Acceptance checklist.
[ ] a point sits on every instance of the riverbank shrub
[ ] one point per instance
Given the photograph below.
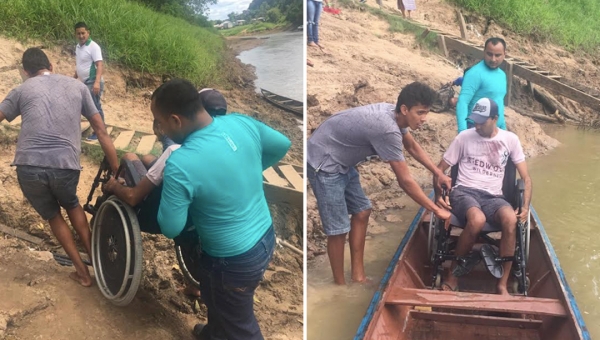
(129, 34)
(572, 24)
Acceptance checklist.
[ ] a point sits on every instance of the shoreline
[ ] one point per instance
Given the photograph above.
(241, 43)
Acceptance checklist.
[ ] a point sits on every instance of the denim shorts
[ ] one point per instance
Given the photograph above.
(338, 195)
(49, 189)
(462, 199)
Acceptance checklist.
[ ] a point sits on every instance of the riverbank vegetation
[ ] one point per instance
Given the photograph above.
(253, 28)
(130, 34)
(572, 24)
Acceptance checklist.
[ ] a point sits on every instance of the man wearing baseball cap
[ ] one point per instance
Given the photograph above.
(482, 154)
(145, 196)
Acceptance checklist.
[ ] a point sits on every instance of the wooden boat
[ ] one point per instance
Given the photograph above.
(285, 103)
(284, 183)
(404, 306)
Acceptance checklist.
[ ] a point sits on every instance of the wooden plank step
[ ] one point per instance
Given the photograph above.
(554, 76)
(475, 301)
(20, 234)
(482, 320)
(123, 139)
(272, 177)
(146, 144)
(292, 176)
(278, 194)
(109, 130)
(84, 126)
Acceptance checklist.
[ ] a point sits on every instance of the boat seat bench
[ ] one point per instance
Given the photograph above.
(475, 301)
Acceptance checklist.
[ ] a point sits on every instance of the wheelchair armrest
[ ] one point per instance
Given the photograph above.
(131, 171)
(520, 185)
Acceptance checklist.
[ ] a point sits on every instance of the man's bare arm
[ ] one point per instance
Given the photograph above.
(105, 142)
(413, 190)
(415, 150)
(99, 71)
(131, 196)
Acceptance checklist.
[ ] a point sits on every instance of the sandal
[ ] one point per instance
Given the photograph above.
(466, 264)
(450, 288)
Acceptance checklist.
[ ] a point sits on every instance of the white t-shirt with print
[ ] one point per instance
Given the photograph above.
(86, 57)
(155, 173)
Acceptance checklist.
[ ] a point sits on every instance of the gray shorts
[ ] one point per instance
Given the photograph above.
(338, 195)
(49, 189)
(463, 198)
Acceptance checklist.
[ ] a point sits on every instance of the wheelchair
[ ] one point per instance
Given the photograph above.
(117, 241)
(441, 242)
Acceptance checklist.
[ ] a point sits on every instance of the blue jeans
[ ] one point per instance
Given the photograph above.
(96, 98)
(312, 26)
(227, 286)
(338, 195)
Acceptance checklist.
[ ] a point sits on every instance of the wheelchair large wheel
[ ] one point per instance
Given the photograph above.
(117, 251)
(187, 261)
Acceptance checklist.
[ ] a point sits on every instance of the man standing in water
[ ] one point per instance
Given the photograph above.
(348, 138)
(48, 149)
(216, 176)
(90, 66)
(483, 80)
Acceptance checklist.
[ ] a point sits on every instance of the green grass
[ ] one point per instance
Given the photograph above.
(573, 24)
(129, 34)
(256, 27)
(397, 23)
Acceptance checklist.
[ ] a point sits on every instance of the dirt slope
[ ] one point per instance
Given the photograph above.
(39, 301)
(364, 63)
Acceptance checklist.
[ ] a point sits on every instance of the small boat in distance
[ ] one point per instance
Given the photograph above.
(285, 103)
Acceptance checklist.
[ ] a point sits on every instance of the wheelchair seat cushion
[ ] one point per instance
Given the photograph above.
(462, 199)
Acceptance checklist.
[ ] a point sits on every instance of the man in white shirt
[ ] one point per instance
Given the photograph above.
(88, 57)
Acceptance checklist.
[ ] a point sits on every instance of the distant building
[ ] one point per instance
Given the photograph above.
(227, 24)
(240, 22)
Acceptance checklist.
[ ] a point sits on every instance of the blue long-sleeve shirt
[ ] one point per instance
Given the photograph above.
(216, 174)
(481, 82)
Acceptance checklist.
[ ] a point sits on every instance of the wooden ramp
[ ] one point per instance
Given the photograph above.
(284, 183)
(517, 67)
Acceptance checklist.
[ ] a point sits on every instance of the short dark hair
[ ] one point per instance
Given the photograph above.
(178, 96)
(414, 94)
(80, 25)
(495, 41)
(34, 60)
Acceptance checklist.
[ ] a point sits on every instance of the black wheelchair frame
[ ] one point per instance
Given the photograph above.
(112, 260)
(442, 252)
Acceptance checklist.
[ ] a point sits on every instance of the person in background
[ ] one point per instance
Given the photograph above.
(313, 9)
(89, 67)
(483, 80)
(48, 149)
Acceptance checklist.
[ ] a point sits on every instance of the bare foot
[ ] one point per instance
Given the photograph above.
(312, 44)
(191, 291)
(502, 290)
(84, 281)
(367, 281)
(309, 63)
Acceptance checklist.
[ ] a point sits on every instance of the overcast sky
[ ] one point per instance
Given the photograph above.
(224, 7)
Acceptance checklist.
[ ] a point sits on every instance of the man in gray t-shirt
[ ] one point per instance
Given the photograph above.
(48, 149)
(350, 137)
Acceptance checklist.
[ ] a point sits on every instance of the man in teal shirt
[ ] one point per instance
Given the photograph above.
(216, 175)
(484, 80)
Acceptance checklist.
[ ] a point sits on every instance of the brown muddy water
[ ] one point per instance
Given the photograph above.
(566, 186)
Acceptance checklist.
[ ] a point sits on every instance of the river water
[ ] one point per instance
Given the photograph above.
(279, 64)
(566, 185)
